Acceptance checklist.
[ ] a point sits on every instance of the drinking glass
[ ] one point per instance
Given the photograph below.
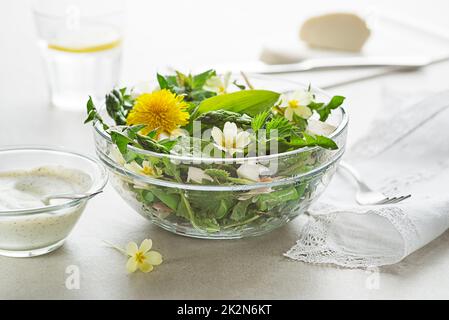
(81, 43)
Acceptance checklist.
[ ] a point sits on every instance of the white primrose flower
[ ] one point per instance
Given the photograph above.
(231, 139)
(296, 103)
(145, 169)
(252, 171)
(117, 155)
(173, 135)
(218, 84)
(197, 175)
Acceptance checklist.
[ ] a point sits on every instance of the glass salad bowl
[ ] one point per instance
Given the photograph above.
(229, 203)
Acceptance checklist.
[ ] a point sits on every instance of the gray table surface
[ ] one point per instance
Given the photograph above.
(195, 269)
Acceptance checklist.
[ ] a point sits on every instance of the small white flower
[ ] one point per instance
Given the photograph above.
(218, 84)
(146, 168)
(296, 103)
(117, 155)
(173, 135)
(231, 139)
(252, 171)
(197, 175)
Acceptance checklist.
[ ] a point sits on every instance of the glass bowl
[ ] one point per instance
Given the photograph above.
(216, 211)
(36, 231)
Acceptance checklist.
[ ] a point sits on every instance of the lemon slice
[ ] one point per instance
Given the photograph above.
(86, 40)
(96, 48)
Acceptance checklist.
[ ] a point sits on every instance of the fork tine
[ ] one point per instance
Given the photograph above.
(396, 199)
(387, 200)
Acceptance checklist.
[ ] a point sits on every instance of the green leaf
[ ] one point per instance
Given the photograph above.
(309, 140)
(268, 201)
(121, 141)
(281, 124)
(324, 110)
(147, 196)
(92, 114)
(259, 120)
(169, 199)
(133, 130)
(199, 80)
(163, 84)
(240, 210)
(223, 208)
(150, 144)
(250, 102)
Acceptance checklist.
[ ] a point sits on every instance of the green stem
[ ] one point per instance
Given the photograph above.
(113, 246)
(241, 223)
(189, 210)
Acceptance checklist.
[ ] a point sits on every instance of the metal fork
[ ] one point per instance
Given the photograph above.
(367, 196)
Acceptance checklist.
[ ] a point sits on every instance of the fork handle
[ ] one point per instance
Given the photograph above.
(362, 185)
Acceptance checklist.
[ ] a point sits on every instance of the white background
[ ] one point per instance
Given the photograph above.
(188, 33)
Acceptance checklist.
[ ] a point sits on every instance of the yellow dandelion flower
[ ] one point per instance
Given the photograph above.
(160, 110)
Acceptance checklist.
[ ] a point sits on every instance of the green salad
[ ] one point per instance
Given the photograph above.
(216, 122)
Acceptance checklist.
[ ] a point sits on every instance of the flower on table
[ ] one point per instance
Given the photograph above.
(218, 84)
(142, 257)
(197, 175)
(139, 257)
(296, 103)
(231, 139)
(161, 110)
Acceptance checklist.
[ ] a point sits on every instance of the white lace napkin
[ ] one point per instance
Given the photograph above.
(406, 153)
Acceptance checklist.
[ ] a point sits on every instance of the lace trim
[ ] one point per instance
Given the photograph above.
(312, 246)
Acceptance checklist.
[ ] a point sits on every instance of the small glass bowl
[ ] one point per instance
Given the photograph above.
(209, 210)
(36, 231)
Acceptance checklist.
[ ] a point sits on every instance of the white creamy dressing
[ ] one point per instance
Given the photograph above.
(24, 189)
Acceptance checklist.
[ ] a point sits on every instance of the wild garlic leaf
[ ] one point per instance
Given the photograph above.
(250, 102)
(169, 199)
(324, 110)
